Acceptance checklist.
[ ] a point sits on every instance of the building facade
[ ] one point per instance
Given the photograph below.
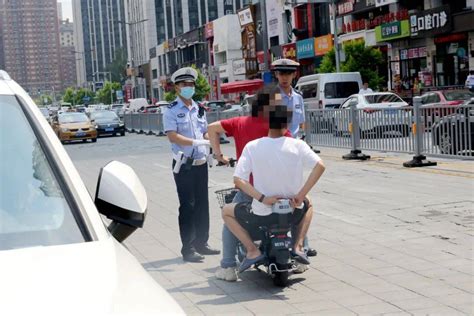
(429, 41)
(30, 42)
(180, 27)
(99, 30)
(68, 55)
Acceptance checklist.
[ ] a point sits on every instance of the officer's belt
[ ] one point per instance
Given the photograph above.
(196, 162)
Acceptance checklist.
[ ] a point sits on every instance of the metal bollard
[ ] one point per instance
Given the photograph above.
(356, 153)
(418, 160)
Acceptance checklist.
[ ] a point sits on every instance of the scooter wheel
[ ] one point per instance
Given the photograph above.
(281, 279)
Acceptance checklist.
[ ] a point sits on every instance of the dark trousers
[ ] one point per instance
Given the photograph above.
(192, 187)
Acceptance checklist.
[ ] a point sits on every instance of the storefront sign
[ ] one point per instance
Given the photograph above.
(274, 16)
(289, 51)
(305, 48)
(379, 3)
(238, 67)
(430, 22)
(391, 31)
(367, 24)
(245, 16)
(209, 30)
(323, 45)
(417, 52)
(345, 7)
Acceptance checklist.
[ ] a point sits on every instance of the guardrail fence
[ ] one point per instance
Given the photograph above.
(152, 123)
(443, 131)
(437, 131)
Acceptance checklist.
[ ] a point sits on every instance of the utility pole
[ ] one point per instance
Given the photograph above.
(336, 42)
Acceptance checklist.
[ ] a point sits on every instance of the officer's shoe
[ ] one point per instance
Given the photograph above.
(193, 257)
(206, 250)
(311, 252)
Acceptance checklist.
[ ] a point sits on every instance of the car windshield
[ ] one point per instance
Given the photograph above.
(340, 90)
(382, 98)
(309, 90)
(33, 209)
(457, 95)
(72, 118)
(104, 115)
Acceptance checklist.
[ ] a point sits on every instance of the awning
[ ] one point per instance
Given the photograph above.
(249, 86)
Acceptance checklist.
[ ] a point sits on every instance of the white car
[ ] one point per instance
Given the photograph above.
(56, 255)
(380, 114)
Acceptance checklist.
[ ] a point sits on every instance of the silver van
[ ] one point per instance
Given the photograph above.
(328, 90)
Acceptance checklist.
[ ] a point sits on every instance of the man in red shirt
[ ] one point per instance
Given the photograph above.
(244, 129)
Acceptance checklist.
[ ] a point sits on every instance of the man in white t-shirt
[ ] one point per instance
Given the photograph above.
(276, 163)
(470, 81)
(365, 89)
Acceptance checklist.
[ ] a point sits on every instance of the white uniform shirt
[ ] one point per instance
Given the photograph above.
(365, 91)
(277, 166)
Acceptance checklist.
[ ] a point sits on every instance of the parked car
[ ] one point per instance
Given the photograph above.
(117, 108)
(234, 108)
(46, 114)
(454, 134)
(57, 256)
(70, 126)
(381, 115)
(321, 91)
(445, 97)
(107, 123)
(212, 106)
(162, 106)
(437, 104)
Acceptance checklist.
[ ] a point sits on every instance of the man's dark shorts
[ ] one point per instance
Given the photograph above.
(249, 221)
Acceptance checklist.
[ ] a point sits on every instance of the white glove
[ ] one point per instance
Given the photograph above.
(201, 142)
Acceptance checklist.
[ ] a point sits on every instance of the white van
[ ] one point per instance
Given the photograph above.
(328, 90)
(136, 105)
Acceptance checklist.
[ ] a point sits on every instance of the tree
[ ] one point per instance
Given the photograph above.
(202, 88)
(365, 60)
(77, 96)
(118, 66)
(43, 99)
(106, 95)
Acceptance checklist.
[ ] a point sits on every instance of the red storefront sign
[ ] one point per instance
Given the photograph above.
(363, 24)
(128, 93)
(450, 38)
(289, 51)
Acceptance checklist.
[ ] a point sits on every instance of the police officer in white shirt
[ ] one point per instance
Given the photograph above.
(185, 125)
(285, 72)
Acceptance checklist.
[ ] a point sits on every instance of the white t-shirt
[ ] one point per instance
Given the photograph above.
(365, 91)
(277, 167)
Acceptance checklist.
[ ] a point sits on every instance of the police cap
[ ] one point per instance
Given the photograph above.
(186, 74)
(285, 65)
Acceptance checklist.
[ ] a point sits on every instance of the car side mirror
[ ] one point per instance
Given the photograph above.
(121, 197)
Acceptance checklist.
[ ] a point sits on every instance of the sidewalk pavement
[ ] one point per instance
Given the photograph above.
(390, 240)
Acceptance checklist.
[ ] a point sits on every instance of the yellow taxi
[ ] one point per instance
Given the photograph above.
(71, 126)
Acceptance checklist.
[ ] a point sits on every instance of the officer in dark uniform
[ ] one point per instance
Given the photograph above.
(185, 125)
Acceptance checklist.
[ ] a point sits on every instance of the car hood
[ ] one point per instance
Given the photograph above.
(75, 125)
(93, 278)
